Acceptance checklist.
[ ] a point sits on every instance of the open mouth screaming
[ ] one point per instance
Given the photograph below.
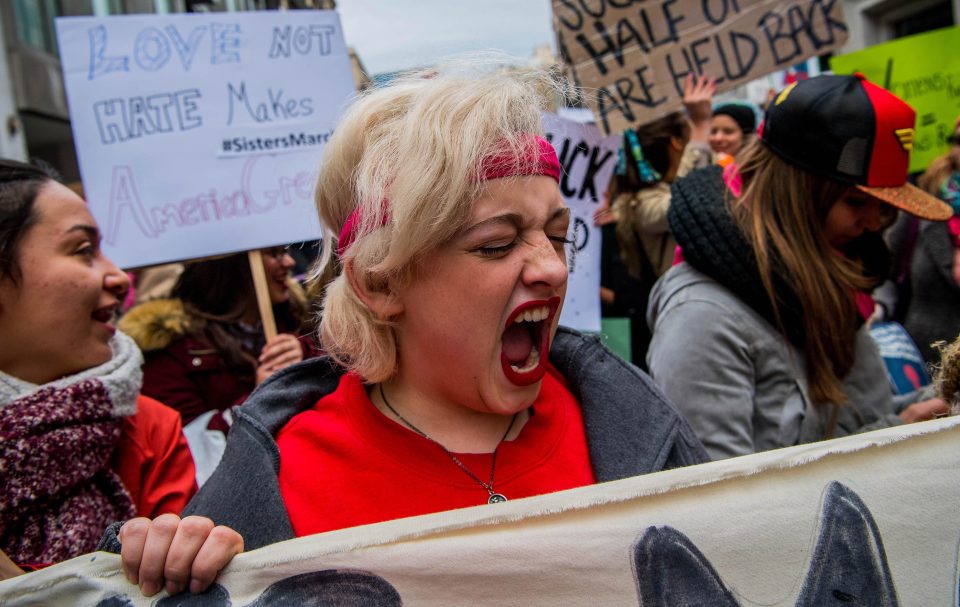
(525, 343)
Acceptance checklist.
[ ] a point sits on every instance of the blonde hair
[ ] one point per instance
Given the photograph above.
(412, 150)
(781, 212)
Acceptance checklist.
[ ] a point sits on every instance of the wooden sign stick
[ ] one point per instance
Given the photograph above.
(263, 294)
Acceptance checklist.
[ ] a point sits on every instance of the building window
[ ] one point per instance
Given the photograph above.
(34, 20)
(33, 23)
(935, 17)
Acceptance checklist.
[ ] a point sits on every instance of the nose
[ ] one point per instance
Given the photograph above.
(287, 261)
(115, 280)
(871, 215)
(545, 265)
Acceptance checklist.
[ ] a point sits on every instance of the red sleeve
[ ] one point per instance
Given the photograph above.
(154, 461)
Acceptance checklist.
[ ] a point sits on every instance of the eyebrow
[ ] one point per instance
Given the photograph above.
(515, 219)
(91, 231)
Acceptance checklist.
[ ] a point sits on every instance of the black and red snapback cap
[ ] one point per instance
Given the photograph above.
(850, 130)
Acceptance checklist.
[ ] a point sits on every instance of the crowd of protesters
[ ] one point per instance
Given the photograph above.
(752, 257)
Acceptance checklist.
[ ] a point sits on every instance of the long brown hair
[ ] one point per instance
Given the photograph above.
(654, 138)
(781, 212)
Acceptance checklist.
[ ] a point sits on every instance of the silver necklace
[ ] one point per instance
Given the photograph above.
(492, 496)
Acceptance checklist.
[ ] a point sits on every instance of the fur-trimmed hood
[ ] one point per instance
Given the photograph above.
(154, 325)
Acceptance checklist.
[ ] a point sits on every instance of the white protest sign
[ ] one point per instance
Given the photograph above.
(587, 160)
(201, 134)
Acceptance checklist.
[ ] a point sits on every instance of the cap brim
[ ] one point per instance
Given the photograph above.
(913, 200)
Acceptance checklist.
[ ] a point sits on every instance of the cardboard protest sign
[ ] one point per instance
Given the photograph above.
(869, 519)
(587, 160)
(631, 58)
(924, 71)
(201, 134)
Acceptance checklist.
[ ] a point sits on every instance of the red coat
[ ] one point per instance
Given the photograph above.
(191, 376)
(153, 460)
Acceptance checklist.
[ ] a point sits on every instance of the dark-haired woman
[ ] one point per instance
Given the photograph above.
(758, 337)
(205, 349)
(651, 158)
(79, 446)
(731, 128)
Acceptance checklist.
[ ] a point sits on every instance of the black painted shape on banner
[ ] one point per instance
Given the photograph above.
(848, 564)
(215, 596)
(330, 588)
(115, 601)
(669, 570)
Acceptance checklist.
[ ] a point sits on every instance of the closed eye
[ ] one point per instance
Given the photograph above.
(494, 251)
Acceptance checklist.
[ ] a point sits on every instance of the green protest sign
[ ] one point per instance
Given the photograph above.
(924, 71)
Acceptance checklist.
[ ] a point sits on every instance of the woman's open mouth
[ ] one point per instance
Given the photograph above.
(525, 342)
(104, 315)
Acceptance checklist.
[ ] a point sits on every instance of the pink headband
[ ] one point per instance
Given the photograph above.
(539, 160)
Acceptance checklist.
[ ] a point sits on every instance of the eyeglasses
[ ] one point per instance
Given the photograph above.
(954, 139)
(277, 253)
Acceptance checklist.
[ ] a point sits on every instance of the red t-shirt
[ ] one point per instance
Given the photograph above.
(343, 463)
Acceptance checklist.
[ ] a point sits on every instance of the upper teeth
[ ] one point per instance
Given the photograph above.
(533, 314)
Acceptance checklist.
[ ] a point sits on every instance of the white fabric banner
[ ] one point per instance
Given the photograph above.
(201, 134)
(869, 519)
(587, 160)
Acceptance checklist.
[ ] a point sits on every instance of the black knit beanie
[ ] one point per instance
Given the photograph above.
(741, 114)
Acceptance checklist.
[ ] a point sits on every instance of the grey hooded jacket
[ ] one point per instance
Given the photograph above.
(631, 429)
(739, 383)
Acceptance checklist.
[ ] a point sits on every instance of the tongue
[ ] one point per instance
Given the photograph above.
(516, 343)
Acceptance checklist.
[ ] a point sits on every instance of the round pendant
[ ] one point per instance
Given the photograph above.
(496, 498)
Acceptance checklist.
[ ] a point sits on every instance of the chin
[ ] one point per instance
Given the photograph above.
(515, 398)
(98, 355)
(93, 359)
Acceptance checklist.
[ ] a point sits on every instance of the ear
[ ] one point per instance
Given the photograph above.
(677, 144)
(378, 295)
